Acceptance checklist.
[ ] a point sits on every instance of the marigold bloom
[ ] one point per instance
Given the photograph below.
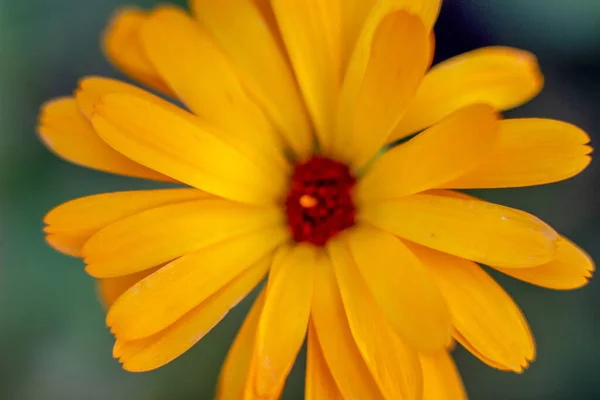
(286, 155)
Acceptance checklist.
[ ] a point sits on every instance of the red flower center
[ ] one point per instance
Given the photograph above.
(320, 204)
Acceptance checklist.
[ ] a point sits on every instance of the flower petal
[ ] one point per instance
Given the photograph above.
(155, 351)
(340, 350)
(402, 287)
(441, 378)
(502, 77)
(472, 229)
(320, 384)
(123, 47)
(384, 73)
(158, 301)
(284, 318)
(196, 69)
(426, 10)
(354, 15)
(233, 381)
(66, 132)
(443, 152)
(110, 289)
(262, 65)
(570, 269)
(92, 88)
(311, 31)
(164, 233)
(66, 244)
(484, 315)
(191, 152)
(87, 215)
(393, 364)
(530, 152)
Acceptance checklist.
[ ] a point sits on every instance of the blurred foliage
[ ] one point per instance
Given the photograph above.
(53, 343)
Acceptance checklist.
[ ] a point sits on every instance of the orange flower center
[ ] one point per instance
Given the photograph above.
(319, 204)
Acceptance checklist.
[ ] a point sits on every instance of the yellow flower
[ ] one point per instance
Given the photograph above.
(285, 154)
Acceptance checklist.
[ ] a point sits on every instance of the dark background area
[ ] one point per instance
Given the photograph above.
(53, 343)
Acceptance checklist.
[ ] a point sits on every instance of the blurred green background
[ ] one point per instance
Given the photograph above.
(53, 343)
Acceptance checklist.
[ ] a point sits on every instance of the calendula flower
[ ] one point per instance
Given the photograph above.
(285, 149)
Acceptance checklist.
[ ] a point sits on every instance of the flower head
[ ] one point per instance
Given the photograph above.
(289, 153)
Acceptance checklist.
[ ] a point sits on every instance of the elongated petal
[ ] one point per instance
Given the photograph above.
(157, 350)
(66, 132)
(571, 268)
(165, 296)
(168, 142)
(484, 315)
(67, 244)
(401, 285)
(340, 351)
(233, 380)
(162, 234)
(110, 289)
(284, 319)
(87, 215)
(92, 88)
(426, 10)
(499, 76)
(123, 47)
(354, 16)
(320, 384)
(203, 78)
(530, 152)
(393, 363)
(384, 73)
(441, 378)
(262, 65)
(440, 154)
(312, 32)
(476, 230)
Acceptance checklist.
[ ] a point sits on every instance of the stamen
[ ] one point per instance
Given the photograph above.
(320, 204)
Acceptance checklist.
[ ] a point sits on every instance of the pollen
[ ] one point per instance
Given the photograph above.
(319, 204)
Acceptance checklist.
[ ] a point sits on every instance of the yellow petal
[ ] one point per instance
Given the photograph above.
(443, 152)
(354, 15)
(320, 384)
(234, 374)
(311, 31)
(284, 318)
(384, 73)
(499, 76)
(340, 350)
(123, 47)
(110, 289)
(403, 288)
(66, 132)
(157, 350)
(479, 231)
(426, 10)
(471, 349)
(258, 58)
(164, 233)
(91, 89)
(158, 301)
(168, 142)
(484, 315)
(570, 269)
(393, 364)
(87, 215)
(66, 244)
(441, 378)
(197, 70)
(530, 152)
